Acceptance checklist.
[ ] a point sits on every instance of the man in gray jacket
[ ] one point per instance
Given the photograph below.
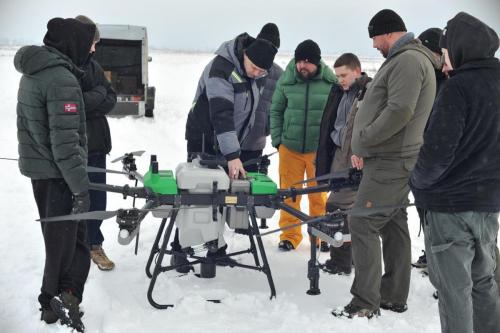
(386, 138)
(223, 111)
(53, 153)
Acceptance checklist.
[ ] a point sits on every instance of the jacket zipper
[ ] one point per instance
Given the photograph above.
(305, 118)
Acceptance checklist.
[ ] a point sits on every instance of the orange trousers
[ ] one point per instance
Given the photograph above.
(292, 167)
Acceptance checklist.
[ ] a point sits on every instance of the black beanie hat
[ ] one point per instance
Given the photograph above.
(261, 52)
(85, 19)
(384, 22)
(71, 37)
(308, 50)
(271, 33)
(430, 39)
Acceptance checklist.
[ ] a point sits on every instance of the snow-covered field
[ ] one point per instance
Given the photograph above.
(116, 301)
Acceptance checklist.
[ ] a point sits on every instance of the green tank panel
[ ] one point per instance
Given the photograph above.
(261, 184)
(162, 182)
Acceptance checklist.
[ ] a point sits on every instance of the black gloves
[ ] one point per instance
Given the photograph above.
(81, 203)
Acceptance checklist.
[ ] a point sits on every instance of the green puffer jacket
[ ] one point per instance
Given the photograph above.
(297, 108)
(51, 118)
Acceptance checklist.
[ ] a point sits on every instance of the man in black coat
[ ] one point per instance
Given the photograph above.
(53, 153)
(456, 180)
(100, 98)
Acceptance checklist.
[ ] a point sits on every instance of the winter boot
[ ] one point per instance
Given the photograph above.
(285, 245)
(100, 259)
(48, 315)
(421, 262)
(351, 311)
(66, 307)
(332, 268)
(395, 307)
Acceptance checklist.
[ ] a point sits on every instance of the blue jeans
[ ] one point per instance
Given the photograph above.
(460, 250)
(97, 198)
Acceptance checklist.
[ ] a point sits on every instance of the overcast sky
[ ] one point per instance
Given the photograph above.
(337, 26)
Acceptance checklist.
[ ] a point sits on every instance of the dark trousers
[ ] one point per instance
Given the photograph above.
(67, 256)
(97, 198)
(245, 155)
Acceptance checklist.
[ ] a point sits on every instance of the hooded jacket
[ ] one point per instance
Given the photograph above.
(297, 107)
(458, 167)
(51, 117)
(223, 111)
(391, 119)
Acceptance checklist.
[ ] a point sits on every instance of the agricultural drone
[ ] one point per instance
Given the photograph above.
(200, 199)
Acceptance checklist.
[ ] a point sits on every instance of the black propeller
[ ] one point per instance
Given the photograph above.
(134, 153)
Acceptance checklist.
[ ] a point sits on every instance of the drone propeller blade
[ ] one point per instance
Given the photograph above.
(95, 215)
(92, 169)
(257, 159)
(105, 214)
(134, 153)
(337, 174)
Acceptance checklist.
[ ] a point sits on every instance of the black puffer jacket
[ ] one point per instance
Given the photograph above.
(458, 167)
(100, 98)
(51, 117)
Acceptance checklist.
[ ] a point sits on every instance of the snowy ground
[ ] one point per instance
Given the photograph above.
(116, 301)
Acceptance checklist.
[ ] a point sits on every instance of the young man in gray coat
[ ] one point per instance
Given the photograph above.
(386, 138)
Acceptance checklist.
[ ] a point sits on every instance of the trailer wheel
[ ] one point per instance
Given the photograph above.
(149, 113)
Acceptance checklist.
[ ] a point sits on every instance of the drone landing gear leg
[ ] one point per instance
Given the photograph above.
(155, 249)
(265, 268)
(263, 224)
(158, 268)
(253, 248)
(313, 268)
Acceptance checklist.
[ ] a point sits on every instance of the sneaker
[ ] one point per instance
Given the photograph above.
(100, 259)
(185, 267)
(285, 245)
(351, 311)
(221, 258)
(395, 307)
(324, 247)
(48, 315)
(331, 268)
(421, 262)
(66, 307)
(435, 295)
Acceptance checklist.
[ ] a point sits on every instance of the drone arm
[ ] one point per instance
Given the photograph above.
(136, 192)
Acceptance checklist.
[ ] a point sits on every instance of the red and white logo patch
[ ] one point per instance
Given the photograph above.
(70, 108)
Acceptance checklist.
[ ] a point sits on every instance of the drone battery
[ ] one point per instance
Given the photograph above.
(237, 217)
